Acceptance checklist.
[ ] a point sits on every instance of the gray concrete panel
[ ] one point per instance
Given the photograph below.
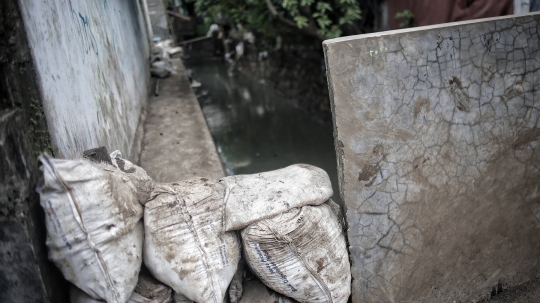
(91, 60)
(437, 136)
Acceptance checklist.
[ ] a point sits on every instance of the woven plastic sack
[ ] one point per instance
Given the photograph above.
(78, 296)
(94, 231)
(148, 290)
(251, 198)
(138, 176)
(301, 254)
(185, 246)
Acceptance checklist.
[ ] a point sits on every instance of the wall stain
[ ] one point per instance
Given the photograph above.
(368, 173)
(523, 137)
(85, 32)
(460, 94)
(421, 102)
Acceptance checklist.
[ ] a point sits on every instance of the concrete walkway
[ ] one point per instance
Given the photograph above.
(177, 144)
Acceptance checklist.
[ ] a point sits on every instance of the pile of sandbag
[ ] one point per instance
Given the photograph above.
(167, 45)
(292, 235)
(160, 61)
(291, 231)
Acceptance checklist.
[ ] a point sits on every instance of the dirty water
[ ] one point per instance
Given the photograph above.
(256, 128)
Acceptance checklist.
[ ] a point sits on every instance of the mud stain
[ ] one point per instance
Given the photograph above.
(368, 174)
(515, 91)
(122, 165)
(523, 137)
(170, 256)
(190, 259)
(320, 264)
(475, 229)
(420, 103)
(184, 273)
(460, 94)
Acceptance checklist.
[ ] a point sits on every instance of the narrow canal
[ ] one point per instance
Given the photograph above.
(256, 128)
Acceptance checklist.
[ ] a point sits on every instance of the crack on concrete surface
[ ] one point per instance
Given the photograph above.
(439, 139)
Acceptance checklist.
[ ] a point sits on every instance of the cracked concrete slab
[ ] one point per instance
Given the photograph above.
(177, 144)
(437, 134)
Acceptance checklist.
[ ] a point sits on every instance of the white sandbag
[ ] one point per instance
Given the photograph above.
(250, 198)
(185, 246)
(78, 296)
(94, 231)
(138, 176)
(161, 69)
(160, 63)
(213, 28)
(150, 290)
(302, 254)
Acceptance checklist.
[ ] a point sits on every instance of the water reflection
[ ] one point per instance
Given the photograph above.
(256, 129)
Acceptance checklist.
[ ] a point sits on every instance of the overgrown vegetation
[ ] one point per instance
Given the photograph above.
(407, 17)
(320, 19)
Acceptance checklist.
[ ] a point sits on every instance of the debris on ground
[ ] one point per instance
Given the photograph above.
(195, 84)
(160, 63)
(167, 45)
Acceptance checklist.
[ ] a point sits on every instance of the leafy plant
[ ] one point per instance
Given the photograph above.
(321, 19)
(408, 16)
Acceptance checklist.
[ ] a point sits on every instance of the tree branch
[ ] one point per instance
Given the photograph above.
(306, 30)
(178, 16)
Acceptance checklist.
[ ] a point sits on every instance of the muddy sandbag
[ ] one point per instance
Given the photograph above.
(161, 69)
(78, 296)
(301, 253)
(250, 198)
(94, 228)
(160, 63)
(185, 246)
(138, 176)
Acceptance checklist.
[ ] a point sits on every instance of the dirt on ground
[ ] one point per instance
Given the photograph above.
(525, 293)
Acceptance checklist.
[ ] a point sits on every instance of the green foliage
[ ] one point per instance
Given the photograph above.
(301, 21)
(325, 19)
(408, 16)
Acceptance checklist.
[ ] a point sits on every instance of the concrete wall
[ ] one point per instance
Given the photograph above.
(73, 75)
(91, 61)
(438, 143)
(25, 273)
(159, 19)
